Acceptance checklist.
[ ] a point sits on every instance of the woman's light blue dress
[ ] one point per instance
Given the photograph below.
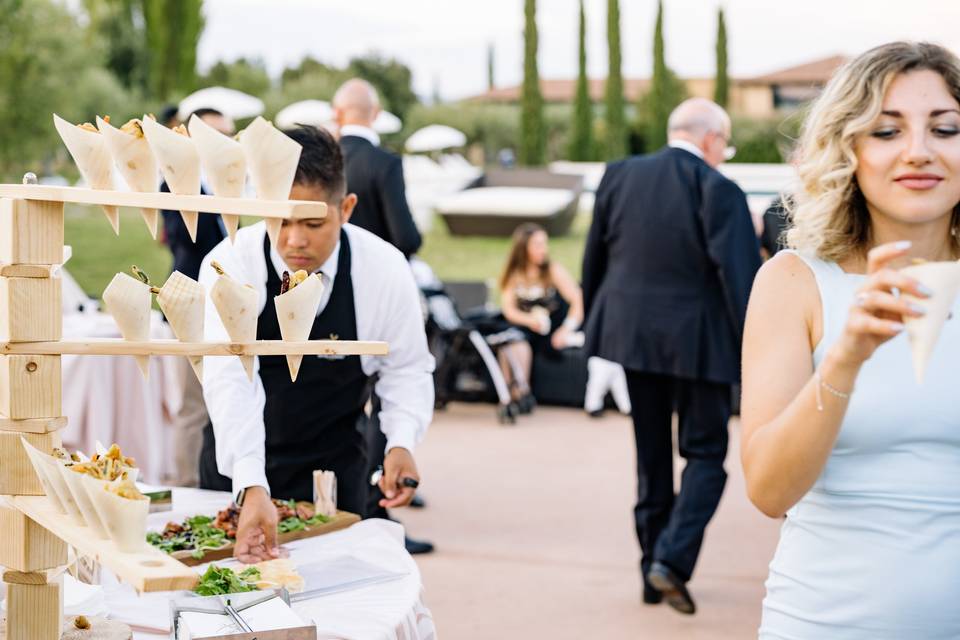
(873, 550)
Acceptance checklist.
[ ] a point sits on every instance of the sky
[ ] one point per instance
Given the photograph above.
(445, 42)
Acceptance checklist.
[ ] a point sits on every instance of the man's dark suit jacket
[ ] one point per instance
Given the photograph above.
(376, 176)
(187, 254)
(669, 262)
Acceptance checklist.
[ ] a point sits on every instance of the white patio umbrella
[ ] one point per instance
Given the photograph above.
(317, 113)
(229, 102)
(386, 122)
(435, 137)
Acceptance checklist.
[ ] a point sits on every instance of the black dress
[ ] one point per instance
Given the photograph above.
(550, 301)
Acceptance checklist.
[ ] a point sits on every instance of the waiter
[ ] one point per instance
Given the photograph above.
(269, 435)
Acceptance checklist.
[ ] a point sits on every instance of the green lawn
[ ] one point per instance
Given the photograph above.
(98, 254)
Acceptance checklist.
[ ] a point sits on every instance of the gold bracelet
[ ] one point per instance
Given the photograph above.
(821, 383)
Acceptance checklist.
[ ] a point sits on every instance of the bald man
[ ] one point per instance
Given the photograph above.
(375, 175)
(669, 262)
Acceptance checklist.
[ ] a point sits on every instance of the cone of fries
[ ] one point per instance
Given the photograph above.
(53, 485)
(182, 300)
(223, 163)
(272, 159)
(943, 278)
(297, 307)
(89, 151)
(236, 305)
(179, 162)
(133, 158)
(128, 300)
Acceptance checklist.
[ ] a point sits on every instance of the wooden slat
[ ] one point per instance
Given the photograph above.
(33, 425)
(203, 203)
(28, 270)
(149, 570)
(119, 347)
(25, 545)
(45, 576)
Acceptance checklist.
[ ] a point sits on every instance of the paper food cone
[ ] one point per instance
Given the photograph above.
(92, 157)
(943, 278)
(237, 307)
(133, 158)
(272, 159)
(325, 492)
(125, 518)
(223, 163)
(76, 483)
(182, 299)
(296, 312)
(179, 162)
(128, 301)
(40, 466)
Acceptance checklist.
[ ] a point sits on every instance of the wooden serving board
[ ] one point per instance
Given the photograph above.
(342, 520)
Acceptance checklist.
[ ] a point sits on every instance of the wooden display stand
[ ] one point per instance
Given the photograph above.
(34, 538)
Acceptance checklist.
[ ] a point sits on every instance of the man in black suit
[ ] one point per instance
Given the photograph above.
(375, 175)
(669, 262)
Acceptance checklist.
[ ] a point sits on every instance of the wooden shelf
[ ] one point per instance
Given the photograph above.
(149, 570)
(208, 204)
(120, 347)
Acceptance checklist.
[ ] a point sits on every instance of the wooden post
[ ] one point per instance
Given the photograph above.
(31, 239)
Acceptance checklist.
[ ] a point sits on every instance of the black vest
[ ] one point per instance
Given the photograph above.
(311, 423)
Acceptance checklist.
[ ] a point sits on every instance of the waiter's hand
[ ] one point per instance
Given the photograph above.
(257, 531)
(397, 465)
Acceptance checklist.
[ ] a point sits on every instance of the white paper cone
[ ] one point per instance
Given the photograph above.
(223, 163)
(237, 307)
(125, 519)
(296, 312)
(943, 278)
(232, 223)
(75, 482)
(179, 162)
(182, 301)
(325, 492)
(92, 157)
(135, 162)
(128, 301)
(272, 159)
(40, 467)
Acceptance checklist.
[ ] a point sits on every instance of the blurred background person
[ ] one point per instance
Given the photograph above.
(191, 417)
(542, 299)
(667, 270)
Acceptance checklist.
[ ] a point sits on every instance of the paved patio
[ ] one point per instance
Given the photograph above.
(533, 525)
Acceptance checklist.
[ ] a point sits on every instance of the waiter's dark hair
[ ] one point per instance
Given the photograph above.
(321, 161)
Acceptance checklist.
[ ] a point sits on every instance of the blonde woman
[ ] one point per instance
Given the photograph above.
(837, 435)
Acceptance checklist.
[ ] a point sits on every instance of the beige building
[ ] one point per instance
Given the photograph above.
(757, 97)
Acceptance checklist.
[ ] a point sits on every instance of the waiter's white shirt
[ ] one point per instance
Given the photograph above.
(361, 131)
(387, 307)
(686, 146)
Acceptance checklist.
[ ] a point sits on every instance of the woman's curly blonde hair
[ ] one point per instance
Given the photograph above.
(829, 214)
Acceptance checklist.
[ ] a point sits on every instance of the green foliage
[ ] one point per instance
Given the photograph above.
(119, 24)
(666, 92)
(532, 135)
(392, 78)
(581, 137)
(249, 76)
(615, 121)
(172, 30)
(721, 89)
(764, 140)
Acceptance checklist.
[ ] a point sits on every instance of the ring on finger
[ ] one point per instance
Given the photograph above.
(862, 298)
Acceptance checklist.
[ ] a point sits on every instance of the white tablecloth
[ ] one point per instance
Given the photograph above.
(391, 610)
(105, 398)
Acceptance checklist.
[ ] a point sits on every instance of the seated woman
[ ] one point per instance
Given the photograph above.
(542, 299)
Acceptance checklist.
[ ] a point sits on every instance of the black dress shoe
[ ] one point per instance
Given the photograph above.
(651, 595)
(417, 546)
(417, 502)
(596, 413)
(672, 587)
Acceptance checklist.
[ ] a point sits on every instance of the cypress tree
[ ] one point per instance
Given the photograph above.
(721, 89)
(581, 139)
(664, 90)
(616, 134)
(491, 84)
(532, 140)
